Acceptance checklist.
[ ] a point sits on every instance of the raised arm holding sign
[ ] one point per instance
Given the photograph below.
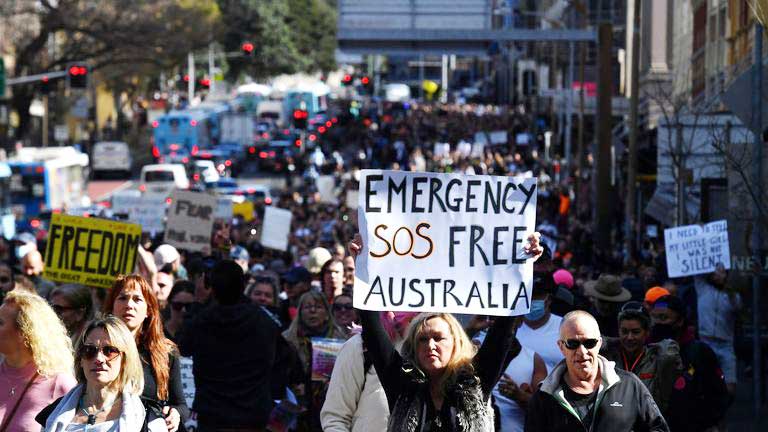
(445, 242)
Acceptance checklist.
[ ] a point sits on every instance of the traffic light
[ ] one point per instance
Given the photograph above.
(347, 80)
(300, 118)
(45, 85)
(77, 74)
(367, 84)
(247, 48)
(204, 82)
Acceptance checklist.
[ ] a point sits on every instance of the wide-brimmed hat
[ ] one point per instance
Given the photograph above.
(317, 258)
(607, 287)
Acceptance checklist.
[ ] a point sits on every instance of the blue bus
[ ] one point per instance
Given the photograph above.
(313, 99)
(179, 135)
(47, 179)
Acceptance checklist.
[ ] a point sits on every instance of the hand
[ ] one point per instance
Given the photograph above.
(172, 418)
(355, 246)
(521, 394)
(534, 247)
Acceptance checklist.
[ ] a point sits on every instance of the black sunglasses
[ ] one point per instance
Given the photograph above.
(573, 344)
(59, 308)
(179, 306)
(89, 352)
(339, 306)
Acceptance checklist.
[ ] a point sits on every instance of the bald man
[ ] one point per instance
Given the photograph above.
(32, 267)
(585, 392)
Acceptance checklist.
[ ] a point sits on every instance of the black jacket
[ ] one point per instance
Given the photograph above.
(233, 350)
(175, 388)
(623, 405)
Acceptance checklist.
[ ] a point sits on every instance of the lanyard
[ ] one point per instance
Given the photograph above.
(626, 364)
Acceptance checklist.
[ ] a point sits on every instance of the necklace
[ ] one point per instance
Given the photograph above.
(92, 416)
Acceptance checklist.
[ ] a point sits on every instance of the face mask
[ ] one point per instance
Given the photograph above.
(660, 332)
(538, 309)
(22, 250)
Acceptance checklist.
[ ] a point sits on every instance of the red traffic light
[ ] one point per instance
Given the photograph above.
(248, 47)
(300, 114)
(347, 79)
(186, 78)
(45, 79)
(78, 70)
(365, 80)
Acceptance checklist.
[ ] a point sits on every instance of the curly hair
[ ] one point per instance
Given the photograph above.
(463, 349)
(150, 337)
(44, 333)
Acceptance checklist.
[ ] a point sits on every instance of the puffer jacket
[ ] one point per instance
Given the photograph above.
(623, 404)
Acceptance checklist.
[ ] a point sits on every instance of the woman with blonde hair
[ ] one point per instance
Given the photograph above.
(110, 381)
(439, 381)
(37, 367)
(133, 300)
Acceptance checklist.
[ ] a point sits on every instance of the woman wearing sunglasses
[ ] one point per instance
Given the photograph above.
(37, 367)
(179, 301)
(344, 312)
(314, 320)
(131, 299)
(73, 304)
(109, 373)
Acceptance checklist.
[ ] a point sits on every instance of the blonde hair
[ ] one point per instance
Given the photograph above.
(131, 378)
(463, 349)
(43, 332)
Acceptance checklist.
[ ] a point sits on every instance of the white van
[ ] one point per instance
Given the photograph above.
(113, 157)
(163, 178)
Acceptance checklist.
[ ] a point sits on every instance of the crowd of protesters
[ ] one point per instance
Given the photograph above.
(77, 356)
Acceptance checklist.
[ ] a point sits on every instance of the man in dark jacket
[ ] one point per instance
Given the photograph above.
(232, 343)
(585, 392)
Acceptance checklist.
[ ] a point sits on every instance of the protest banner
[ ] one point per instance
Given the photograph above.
(326, 186)
(190, 220)
(90, 251)
(464, 148)
(224, 208)
(481, 138)
(697, 249)
(147, 210)
(442, 149)
(276, 228)
(188, 388)
(444, 242)
(498, 137)
(324, 353)
(244, 209)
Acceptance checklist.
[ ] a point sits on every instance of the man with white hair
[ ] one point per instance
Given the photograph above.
(586, 392)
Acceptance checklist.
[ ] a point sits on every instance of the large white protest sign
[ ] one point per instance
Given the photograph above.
(695, 249)
(444, 242)
(146, 210)
(326, 187)
(276, 228)
(190, 220)
(481, 138)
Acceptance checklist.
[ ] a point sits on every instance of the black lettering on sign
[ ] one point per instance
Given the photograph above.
(370, 192)
(396, 189)
(413, 288)
(521, 293)
(415, 194)
(105, 259)
(78, 246)
(376, 282)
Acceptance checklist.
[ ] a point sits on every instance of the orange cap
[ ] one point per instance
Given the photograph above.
(655, 293)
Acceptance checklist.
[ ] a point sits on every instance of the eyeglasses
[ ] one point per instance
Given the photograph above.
(59, 308)
(179, 306)
(573, 344)
(342, 306)
(89, 352)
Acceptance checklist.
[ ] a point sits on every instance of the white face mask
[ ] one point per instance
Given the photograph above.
(24, 249)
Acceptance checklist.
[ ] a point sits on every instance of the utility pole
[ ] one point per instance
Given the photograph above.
(681, 171)
(45, 120)
(191, 74)
(569, 115)
(211, 80)
(603, 205)
(630, 222)
(757, 240)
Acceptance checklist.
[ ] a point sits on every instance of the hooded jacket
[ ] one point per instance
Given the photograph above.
(233, 349)
(623, 404)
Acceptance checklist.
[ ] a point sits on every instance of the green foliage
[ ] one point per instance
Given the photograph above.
(314, 32)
